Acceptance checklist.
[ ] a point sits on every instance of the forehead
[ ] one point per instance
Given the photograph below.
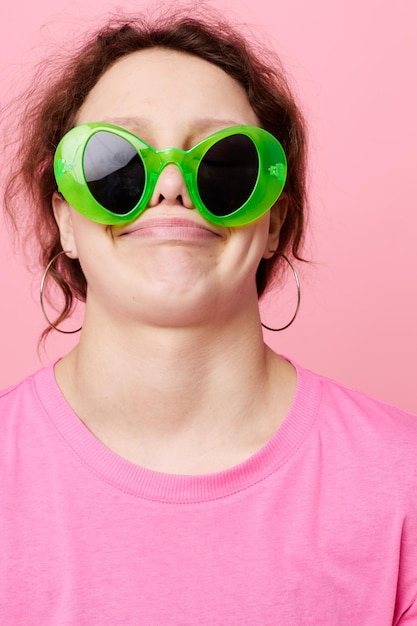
(166, 88)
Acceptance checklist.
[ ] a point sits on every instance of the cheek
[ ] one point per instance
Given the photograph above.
(258, 234)
(88, 233)
(248, 244)
(93, 242)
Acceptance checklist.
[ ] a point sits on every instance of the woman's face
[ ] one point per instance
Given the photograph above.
(170, 260)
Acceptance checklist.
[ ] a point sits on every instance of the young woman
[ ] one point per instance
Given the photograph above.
(172, 469)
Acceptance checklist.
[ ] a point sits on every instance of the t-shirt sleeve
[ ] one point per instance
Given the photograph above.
(406, 610)
(409, 618)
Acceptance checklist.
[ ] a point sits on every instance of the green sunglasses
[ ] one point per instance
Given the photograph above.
(108, 174)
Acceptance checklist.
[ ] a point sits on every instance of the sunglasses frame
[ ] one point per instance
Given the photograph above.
(72, 184)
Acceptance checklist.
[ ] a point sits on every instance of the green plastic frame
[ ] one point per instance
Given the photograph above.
(69, 174)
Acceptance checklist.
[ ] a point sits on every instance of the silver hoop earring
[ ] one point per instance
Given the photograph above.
(51, 324)
(297, 282)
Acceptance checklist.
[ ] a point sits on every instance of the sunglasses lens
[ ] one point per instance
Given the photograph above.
(227, 174)
(114, 172)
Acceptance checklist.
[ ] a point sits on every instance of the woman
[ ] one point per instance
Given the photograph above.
(171, 469)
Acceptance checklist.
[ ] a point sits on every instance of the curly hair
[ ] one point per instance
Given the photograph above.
(60, 88)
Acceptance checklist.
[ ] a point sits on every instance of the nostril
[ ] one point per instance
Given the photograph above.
(178, 198)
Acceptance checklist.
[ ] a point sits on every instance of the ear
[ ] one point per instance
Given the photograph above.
(63, 217)
(278, 214)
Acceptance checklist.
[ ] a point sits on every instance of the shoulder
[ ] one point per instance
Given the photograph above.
(363, 424)
(17, 390)
(360, 446)
(352, 404)
(22, 399)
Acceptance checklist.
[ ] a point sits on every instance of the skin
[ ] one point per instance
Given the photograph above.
(171, 371)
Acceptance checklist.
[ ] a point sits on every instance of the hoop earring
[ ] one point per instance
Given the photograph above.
(297, 282)
(42, 286)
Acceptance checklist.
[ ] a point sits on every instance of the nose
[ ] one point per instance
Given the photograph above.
(171, 188)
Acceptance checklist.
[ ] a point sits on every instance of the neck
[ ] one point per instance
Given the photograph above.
(177, 388)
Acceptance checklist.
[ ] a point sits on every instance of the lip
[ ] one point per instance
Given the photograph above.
(169, 227)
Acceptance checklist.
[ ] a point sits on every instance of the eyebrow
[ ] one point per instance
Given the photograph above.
(214, 123)
(128, 122)
(200, 125)
(144, 128)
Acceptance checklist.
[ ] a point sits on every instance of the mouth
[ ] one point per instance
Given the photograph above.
(166, 227)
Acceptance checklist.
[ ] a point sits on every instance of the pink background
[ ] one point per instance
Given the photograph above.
(353, 64)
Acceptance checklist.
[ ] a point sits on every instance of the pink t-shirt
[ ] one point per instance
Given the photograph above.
(319, 527)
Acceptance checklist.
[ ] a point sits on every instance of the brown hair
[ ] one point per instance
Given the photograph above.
(51, 105)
